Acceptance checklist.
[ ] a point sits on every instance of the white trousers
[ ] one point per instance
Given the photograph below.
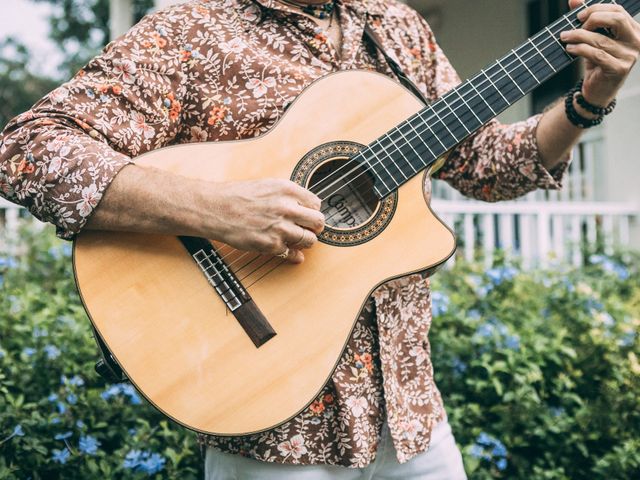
(442, 461)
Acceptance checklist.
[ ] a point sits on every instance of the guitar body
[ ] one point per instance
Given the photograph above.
(176, 339)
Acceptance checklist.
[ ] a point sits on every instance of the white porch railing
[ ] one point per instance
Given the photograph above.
(543, 225)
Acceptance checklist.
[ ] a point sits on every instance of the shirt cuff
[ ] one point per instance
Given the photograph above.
(533, 168)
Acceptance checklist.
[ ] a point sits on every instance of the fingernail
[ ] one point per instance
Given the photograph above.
(564, 35)
(582, 14)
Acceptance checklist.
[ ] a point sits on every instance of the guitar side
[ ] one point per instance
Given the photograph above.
(171, 333)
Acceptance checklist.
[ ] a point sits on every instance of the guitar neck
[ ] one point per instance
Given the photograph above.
(419, 141)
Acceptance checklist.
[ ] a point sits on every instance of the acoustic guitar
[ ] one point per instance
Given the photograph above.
(227, 342)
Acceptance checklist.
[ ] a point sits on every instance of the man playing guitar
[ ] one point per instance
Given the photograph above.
(227, 70)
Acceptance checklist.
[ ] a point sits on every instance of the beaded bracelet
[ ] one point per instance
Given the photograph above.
(577, 119)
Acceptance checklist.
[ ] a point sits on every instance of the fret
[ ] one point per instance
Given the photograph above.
(498, 94)
(499, 63)
(479, 96)
(444, 99)
(426, 124)
(408, 142)
(527, 67)
(461, 97)
(408, 150)
(543, 56)
(419, 137)
(446, 126)
(392, 163)
(379, 162)
(559, 44)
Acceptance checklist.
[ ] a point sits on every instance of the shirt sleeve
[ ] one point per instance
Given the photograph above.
(58, 158)
(497, 162)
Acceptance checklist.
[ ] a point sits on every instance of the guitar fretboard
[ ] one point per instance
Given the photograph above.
(420, 140)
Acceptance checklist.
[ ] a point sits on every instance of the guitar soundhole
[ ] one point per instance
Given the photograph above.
(346, 190)
(353, 212)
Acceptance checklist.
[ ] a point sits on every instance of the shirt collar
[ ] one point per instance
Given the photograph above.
(372, 7)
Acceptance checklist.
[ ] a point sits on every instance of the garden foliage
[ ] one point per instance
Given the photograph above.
(540, 372)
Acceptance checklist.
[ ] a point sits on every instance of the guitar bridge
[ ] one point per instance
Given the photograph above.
(229, 289)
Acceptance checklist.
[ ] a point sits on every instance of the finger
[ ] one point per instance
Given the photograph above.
(600, 7)
(308, 218)
(575, 4)
(305, 197)
(597, 40)
(599, 57)
(619, 23)
(295, 256)
(303, 239)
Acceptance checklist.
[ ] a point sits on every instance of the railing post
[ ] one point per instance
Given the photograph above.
(120, 17)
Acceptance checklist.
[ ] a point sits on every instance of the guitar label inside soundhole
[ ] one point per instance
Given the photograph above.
(346, 190)
(353, 213)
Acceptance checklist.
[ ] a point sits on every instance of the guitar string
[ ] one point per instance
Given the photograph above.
(530, 53)
(537, 49)
(431, 109)
(453, 107)
(469, 112)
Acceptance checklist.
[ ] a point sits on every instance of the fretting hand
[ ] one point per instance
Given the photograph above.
(608, 60)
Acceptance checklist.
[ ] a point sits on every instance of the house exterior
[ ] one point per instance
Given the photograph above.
(599, 206)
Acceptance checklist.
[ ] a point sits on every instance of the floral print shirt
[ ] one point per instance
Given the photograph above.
(227, 69)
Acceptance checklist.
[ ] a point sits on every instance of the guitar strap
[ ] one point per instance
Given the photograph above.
(370, 34)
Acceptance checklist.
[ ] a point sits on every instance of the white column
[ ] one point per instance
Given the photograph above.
(120, 17)
(165, 3)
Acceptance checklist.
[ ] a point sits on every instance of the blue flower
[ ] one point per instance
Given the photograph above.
(132, 432)
(61, 407)
(55, 420)
(76, 381)
(477, 451)
(112, 391)
(439, 303)
(18, 431)
(28, 351)
(88, 445)
(52, 397)
(52, 352)
(132, 459)
(501, 464)
(61, 456)
(80, 424)
(485, 330)
(130, 392)
(72, 399)
(8, 262)
(495, 446)
(146, 461)
(500, 274)
(124, 389)
(2, 353)
(512, 342)
(39, 332)
(63, 436)
(153, 464)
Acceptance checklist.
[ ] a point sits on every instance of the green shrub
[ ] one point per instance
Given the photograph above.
(540, 372)
(69, 423)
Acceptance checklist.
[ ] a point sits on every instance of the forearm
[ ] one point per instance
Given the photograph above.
(556, 135)
(149, 200)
